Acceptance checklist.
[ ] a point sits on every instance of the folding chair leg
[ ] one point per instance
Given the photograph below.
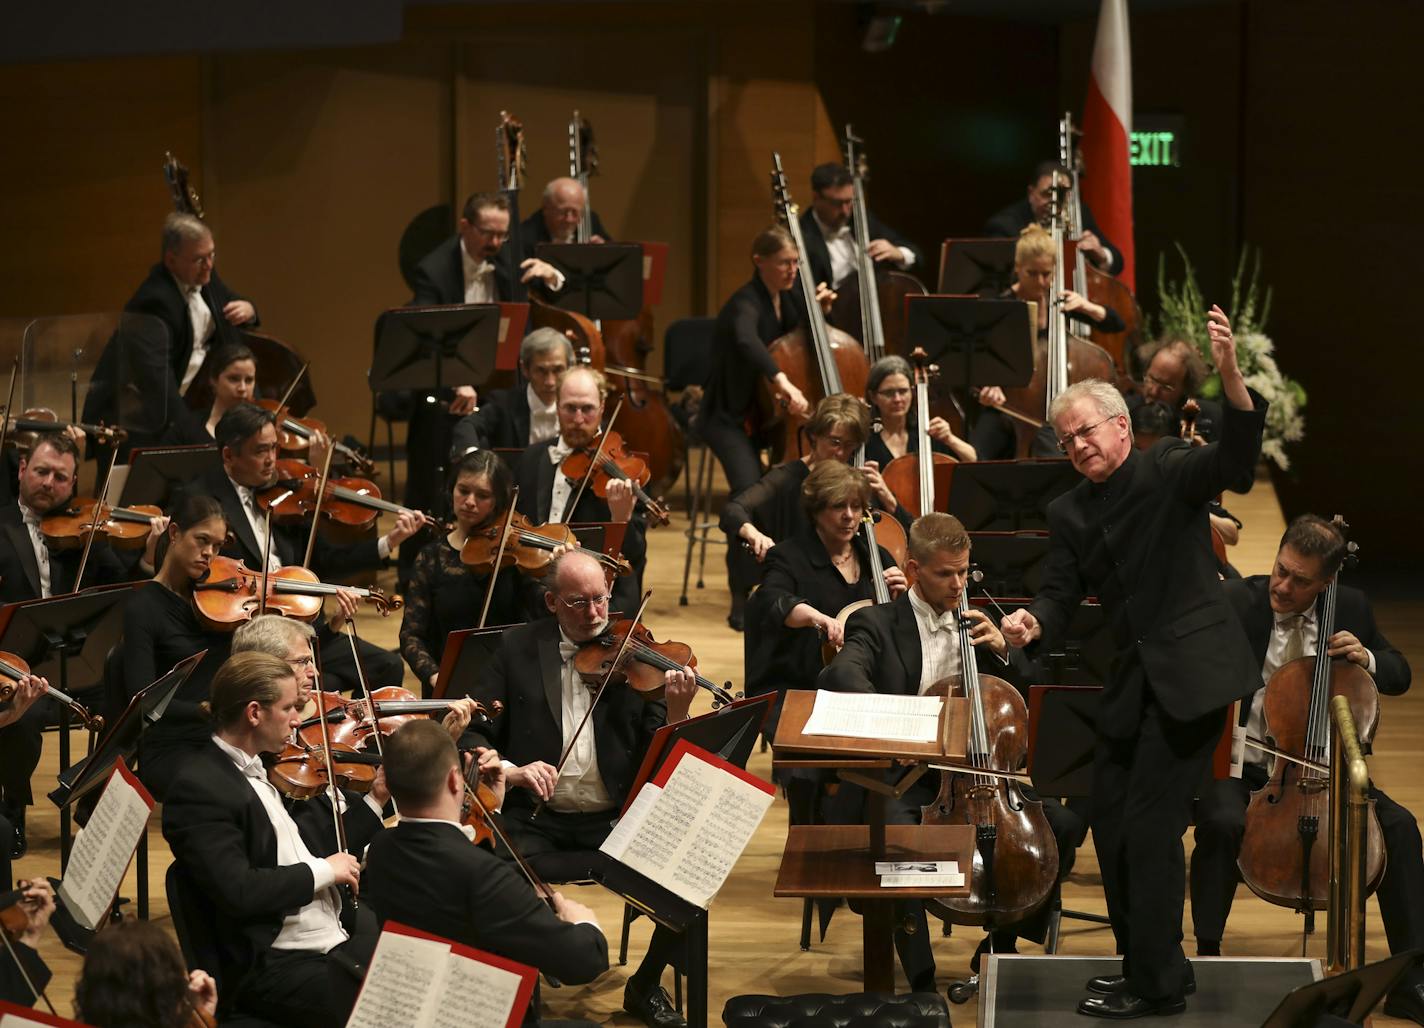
(695, 498)
(705, 487)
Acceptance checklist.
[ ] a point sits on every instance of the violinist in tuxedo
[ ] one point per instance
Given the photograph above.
(545, 700)
(830, 237)
(1280, 613)
(1034, 209)
(1135, 533)
(184, 291)
(547, 495)
(23, 972)
(247, 438)
(270, 875)
(426, 873)
(522, 415)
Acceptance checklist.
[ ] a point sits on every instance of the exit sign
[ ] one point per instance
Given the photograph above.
(1156, 141)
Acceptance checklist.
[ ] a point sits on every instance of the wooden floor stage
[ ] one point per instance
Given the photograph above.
(753, 937)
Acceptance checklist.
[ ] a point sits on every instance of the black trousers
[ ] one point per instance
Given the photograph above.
(1221, 823)
(1143, 787)
(726, 437)
(21, 743)
(303, 987)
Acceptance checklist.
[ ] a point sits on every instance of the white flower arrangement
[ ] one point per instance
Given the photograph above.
(1183, 313)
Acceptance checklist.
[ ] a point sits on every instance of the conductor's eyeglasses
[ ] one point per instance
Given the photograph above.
(1066, 442)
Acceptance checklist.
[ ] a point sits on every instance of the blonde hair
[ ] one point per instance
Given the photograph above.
(245, 678)
(594, 375)
(1034, 242)
(935, 533)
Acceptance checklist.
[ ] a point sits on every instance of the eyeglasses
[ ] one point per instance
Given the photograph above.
(892, 394)
(1068, 440)
(205, 258)
(583, 603)
(1165, 386)
(302, 663)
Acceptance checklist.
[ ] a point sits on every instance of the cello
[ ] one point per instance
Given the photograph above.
(877, 578)
(818, 359)
(1015, 854)
(920, 480)
(1286, 819)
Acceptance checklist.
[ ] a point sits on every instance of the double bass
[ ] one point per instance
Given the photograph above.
(1284, 854)
(818, 359)
(920, 480)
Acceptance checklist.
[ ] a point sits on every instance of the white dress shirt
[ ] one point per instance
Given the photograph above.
(32, 525)
(841, 244)
(316, 926)
(201, 318)
(543, 418)
(257, 519)
(479, 278)
(939, 641)
(563, 489)
(580, 787)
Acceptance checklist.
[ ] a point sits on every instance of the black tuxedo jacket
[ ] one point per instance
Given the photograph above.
(746, 325)
(882, 653)
(13, 988)
(531, 727)
(818, 256)
(1141, 543)
(440, 276)
(20, 572)
(533, 231)
(1251, 600)
(427, 875)
(221, 835)
(160, 296)
(501, 422)
(1013, 219)
(289, 541)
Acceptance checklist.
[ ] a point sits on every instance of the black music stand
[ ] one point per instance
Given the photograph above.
(1012, 562)
(467, 651)
(603, 281)
(66, 639)
(975, 342)
(1008, 495)
(156, 472)
(977, 267)
(1343, 999)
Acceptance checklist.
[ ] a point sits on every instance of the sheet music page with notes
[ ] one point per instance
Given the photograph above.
(12, 1015)
(688, 826)
(104, 847)
(424, 981)
(875, 716)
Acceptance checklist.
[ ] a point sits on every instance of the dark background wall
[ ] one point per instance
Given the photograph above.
(1300, 123)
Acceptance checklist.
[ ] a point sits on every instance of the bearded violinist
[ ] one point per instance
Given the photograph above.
(426, 874)
(1279, 614)
(541, 712)
(265, 876)
(1135, 533)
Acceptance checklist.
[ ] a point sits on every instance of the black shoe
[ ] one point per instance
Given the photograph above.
(1407, 1001)
(736, 621)
(1208, 947)
(1123, 1006)
(1110, 984)
(654, 1009)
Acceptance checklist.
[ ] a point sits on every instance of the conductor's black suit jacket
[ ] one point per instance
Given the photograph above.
(220, 833)
(525, 676)
(428, 875)
(1141, 543)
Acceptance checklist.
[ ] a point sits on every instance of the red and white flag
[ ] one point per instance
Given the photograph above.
(1107, 128)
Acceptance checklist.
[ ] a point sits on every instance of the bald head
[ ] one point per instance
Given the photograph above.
(563, 208)
(578, 595)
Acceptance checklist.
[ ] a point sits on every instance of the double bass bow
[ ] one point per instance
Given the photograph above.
(1284, 854)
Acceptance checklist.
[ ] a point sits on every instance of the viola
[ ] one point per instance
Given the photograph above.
(1284, 854)
(527, 546)
(231, 593)
(24, 431)
(608, 461)
(351, 724)
(126, 528)
(920, 480)
(12, 669)
(1016, 854)
(301, 769)
(349, 506)
(294, 435)
(627, 652)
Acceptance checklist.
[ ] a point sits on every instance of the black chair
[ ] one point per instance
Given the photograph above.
(194, 920)
(823, 1010)
(687, 361)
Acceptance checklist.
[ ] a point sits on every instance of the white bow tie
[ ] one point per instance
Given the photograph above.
(567, 650)
(559, 451)
(946, 622)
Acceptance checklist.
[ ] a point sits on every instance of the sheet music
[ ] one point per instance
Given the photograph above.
(687, 835)
(403, 983)
(476, 993)
(875, 716)
(104, 847)
(13, 1015)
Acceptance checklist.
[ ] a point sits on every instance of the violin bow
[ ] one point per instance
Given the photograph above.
(316, 511)
(370, 717)
(94, 524)
(266, 563)
(593, 463)
(9, 405)
(498, 557)
(293, 387)
(15, 959)
(336, 798)
(598, 694)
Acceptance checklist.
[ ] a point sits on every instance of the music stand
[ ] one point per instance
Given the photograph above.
(1012, 562)
(975, 342)
(467, 651)
(155, 472)
(1008, 495)
(976, 267)
(603, 281)
(66, 639)
(1342, 999)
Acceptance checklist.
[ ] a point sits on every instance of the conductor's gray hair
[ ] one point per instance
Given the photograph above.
(1102, 395)
(182, 228)
(542, 341)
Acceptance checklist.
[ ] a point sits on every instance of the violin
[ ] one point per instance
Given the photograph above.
(14, 922)
(920, 480)
(1016, 854)
(24, 431)
(1285, 852)
(294, 435)
(349, 506)
(610, 460)
(527, 546)
(301, 770)
(125, 528)
(231, 593)
(351, 722)
(12, 669)
(627, 652)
